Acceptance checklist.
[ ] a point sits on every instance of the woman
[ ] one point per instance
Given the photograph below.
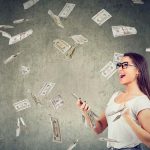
(133, 127)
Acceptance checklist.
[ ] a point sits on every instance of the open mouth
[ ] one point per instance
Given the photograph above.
(122, 76)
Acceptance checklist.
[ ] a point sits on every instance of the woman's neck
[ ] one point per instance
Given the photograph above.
(132, 89)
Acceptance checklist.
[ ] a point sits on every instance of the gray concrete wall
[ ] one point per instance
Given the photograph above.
(80, 75)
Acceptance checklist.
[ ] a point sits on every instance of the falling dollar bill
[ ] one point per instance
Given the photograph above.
(25, 70)
(107, 140)
(117, 57)
(29, 3)
(57, 102)
(72, 146)
(20, 21)
(20, 121)
(120, 109)
(61, 45)
(18, 128)
(101, 17)
(137, 1)
(56, 130)
(79, 39)
(147, 50)
(36, 100)
(21, 105)
(71, 51)
(47, 87)
(6, 26)
(123, 30)
(5, 34)
(66, 10)
(11, 58)
(56, 19)
(19, 37)
(108, 70)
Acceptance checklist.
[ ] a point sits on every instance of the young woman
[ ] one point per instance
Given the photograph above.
(133, 127)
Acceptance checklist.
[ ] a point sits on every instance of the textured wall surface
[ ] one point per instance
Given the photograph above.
(47, 64)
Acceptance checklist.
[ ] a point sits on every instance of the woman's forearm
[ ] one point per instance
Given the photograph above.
(98, 124)
(143, 135)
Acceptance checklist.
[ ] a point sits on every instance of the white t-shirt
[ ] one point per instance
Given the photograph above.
(119, 130)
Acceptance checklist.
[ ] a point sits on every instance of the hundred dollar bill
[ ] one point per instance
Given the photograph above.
(61, 45)
(66, 10)
(21, 105)
(47, 87)
(56, 130)
(20, 21)
(6, 26)
(57, 102)
(137, 1)
(108, 70)
(11, 58)
(29, 3)
(101, 17)
(5, 34)
(108, 140)
(25, 70)
(19, 37)
(123, 30)
(117, 57)
(79, 39)
(56, 19)
(72, 146)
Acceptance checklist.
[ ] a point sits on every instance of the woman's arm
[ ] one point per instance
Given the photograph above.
(143, 132)
(101, 123)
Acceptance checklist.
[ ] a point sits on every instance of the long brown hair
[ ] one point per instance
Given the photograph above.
(143, 80)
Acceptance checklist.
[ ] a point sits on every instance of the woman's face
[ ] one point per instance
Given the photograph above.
(127, 71)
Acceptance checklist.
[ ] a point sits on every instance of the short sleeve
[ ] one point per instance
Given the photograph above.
(140, 104)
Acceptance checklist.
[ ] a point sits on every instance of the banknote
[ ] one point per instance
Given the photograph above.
(22, 121)
(11, 58)
(108, 70)
(61, 45)
(18, 128)
(5, 34)
(21, 105)
(57, 102)
(71, 51)
(120, 109)
(46, 89)
(56, 130)
(29, 3)
(108, 140)
(101, 17)
(25, 70)
(72, 146)
(137, 1)
(20, 21)
(79, 39)
(20, 36)
(117, 57)
(92, 119)
(35, 98)
(56, 19)
(147, 50)
(123, 30)
(6, 26)
(65, 12)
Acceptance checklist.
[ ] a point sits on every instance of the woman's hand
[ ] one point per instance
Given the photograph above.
(82, 105)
